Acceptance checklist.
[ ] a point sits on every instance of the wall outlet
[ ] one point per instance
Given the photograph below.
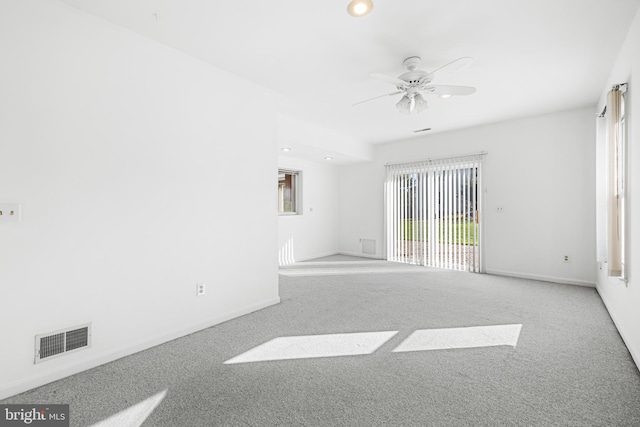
(566, 258)
(500, 209)
(201, 289)
(9, 212)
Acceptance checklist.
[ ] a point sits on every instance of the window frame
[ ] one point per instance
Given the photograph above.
(616, 171)
(296, 192)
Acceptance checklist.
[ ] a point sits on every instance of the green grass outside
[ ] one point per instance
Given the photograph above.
(463, 232)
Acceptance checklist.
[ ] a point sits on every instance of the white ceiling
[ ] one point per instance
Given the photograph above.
(531, 56)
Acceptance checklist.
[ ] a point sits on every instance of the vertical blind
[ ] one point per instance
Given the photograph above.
(433, 212)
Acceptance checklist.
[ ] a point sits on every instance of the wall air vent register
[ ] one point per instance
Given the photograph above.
(64, 341)
(368, 246)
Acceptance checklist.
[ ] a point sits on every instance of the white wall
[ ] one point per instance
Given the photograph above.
(314, 233)
(139, 175)
(623, 301)
(540, 169)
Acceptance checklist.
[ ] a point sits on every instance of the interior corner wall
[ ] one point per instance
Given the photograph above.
(623, 300)
(137, 180)
(313, 233)
(361, 207)
(540, 170)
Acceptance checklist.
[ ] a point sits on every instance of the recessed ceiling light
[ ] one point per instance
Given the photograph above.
(445, 96)
(359, 8)
(328, 158)
(286, 149)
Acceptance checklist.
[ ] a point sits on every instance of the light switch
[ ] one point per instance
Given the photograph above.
(9, 212)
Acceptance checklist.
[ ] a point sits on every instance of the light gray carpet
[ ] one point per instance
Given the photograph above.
(569, 368)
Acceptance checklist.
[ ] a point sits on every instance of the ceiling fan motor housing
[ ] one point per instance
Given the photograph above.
(415, 77)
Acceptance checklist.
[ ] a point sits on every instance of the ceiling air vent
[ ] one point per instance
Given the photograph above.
(53, 344)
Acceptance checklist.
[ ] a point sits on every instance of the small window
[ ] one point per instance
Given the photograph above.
(289, 192)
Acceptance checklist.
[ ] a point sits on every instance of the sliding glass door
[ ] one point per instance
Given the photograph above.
(433, 213)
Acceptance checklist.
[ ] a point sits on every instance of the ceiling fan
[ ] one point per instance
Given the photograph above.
(415, 83)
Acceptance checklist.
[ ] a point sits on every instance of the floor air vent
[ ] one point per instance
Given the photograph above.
(53, 344)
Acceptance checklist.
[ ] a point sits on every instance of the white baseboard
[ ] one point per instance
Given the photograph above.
(360, 255)
(635, 354)
(29, 383)
(552, 279)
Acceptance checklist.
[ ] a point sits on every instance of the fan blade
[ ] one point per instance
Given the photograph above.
(380, 96)
(450, 90)
(455, 65)
(388, 79)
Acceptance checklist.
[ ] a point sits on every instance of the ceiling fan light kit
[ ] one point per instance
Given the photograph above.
(404, 105)
(420, 104)
(415, 83)
(409, 104)
(358, 8)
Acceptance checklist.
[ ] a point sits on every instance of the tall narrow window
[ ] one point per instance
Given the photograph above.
(288, 192)
(433, 213)
(616, 173)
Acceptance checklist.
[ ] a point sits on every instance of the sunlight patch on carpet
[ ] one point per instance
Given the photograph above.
(470, 337)
(134, 415)
(314, 346)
